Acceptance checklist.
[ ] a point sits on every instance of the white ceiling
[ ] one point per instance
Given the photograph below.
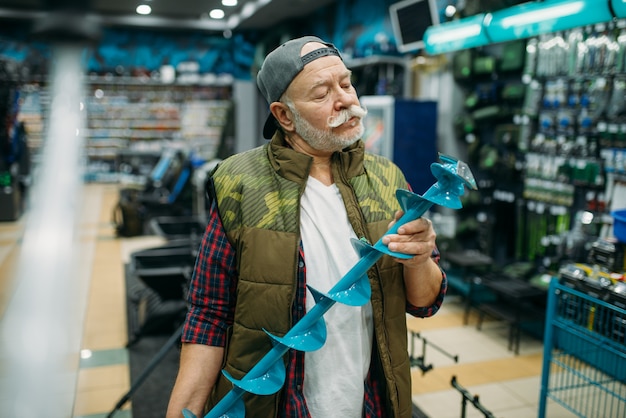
(191, 14)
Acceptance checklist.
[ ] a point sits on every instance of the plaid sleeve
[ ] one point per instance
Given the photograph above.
(211, 295)
(425, 312)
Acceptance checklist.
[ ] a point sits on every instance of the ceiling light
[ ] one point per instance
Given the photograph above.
(248, 10)
(229, 2)
(216, 14)
(144, 9)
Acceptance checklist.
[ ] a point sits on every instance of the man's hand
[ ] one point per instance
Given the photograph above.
(415, 237)
(422, 275)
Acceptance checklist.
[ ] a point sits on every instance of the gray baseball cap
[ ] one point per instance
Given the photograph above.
(281, 66)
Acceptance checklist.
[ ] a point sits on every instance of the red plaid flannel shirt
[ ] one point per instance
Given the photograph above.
(211, 310)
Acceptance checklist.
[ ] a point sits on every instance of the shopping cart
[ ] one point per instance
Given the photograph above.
(584, 359)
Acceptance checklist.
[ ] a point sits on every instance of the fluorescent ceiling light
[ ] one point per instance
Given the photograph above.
(455, 34)
(216, 14)
(548, 12)
(229, 3)
(450, 10)
(143, 9)
(248, 10)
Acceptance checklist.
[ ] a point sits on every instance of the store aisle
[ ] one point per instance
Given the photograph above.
(507, 385)
(103, 372)
(100, 374)
(104, 376)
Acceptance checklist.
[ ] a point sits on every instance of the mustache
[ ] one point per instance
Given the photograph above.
(345, 115)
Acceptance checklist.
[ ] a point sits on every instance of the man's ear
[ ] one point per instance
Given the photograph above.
(283, 115)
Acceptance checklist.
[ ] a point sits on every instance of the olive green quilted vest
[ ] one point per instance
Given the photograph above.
(258, 194)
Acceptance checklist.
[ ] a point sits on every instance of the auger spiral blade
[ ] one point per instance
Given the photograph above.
(362, 248)
(269, 382)
(310, 339)
(238, 410)
(353, 289)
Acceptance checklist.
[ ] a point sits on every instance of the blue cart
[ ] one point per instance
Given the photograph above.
(584, 359)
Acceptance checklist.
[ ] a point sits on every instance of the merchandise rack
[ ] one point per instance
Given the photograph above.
(584, 358)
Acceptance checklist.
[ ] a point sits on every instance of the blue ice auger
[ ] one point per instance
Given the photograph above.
(309, 334)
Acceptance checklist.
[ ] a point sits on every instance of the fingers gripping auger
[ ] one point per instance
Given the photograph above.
(309, 334)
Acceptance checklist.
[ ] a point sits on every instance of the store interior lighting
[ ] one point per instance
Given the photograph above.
(144, 9)
(456, 35)
(532, 19)
(519, 22)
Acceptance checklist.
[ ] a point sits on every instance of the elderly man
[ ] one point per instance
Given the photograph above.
(282, 218)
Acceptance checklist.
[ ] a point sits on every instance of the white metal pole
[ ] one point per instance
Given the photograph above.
(42, 326)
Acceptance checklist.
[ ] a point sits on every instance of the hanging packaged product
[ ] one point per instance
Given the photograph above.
(530, 64)
(617, 103)
(574, 42)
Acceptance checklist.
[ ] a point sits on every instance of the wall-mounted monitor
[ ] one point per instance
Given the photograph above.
(409, 20)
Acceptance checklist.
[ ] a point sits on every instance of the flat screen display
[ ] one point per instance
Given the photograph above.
(410, 19)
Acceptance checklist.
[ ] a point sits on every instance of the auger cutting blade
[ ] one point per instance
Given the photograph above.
(460, 169)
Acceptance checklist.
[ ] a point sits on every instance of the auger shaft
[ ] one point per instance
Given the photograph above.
(267, 376)
(276, 353)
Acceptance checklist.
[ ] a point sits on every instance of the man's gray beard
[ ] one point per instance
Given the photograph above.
(323, 140)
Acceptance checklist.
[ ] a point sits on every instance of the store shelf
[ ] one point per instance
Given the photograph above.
(35, 103)
(140, 115)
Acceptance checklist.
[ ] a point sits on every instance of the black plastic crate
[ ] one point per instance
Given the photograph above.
(166, 270)
(177, 227)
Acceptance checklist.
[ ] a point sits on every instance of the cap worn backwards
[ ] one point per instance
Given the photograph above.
(281, 66)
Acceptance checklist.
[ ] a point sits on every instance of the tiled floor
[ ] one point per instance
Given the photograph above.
(506, 385)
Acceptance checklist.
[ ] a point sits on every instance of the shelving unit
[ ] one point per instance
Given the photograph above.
(574, 130)
(381, 75)
(34, 106)
(138, 116)
(547, 138)
(490, 86)
(145, 116)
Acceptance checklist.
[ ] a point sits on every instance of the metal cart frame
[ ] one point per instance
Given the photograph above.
(584, 358)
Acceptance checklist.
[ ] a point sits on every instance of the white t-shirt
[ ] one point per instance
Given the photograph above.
(334, 375)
